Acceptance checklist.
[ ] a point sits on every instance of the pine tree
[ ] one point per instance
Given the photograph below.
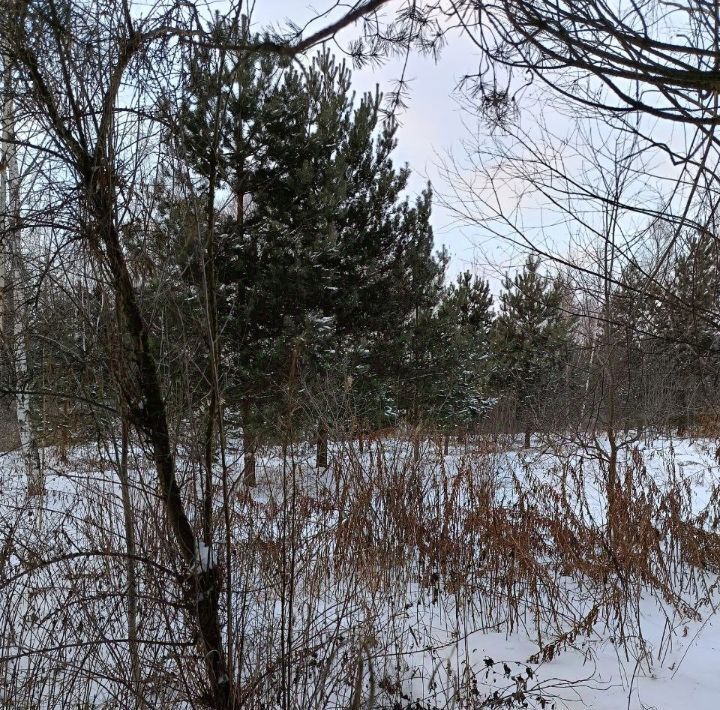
(687, 325)
(530, 339)
(322, 261)
(461, 347)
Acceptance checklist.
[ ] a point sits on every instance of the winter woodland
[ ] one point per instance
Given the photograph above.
(264, 445)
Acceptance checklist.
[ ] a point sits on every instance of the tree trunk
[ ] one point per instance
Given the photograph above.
(209, 456)
(612, 485)
(527, 437)
(28, 439)
(249, 446)
(321, 453)
(95, 169)
(249, 468)
(149, 414)
(131, 564)
(16, 322)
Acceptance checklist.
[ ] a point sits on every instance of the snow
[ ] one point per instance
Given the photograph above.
(426, 642)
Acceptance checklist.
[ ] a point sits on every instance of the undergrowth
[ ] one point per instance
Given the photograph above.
(368, 585)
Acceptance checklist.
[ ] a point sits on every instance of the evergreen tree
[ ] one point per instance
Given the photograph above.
(322, 262)
(687, 324)
(530, 340)
(462, 346)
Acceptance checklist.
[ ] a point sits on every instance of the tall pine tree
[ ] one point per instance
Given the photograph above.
(321, 259)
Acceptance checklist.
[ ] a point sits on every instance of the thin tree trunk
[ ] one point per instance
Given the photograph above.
(16, 327)
(215, 414)
(28, 439)
(321, 455)
(613, 485)
(249, 446)
(131, 564)
(583, 405)
(209, 457)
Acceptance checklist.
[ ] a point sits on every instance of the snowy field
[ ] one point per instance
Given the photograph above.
(487, 577)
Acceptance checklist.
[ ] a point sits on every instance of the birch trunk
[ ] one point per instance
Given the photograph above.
(3, 218)
(16, 320)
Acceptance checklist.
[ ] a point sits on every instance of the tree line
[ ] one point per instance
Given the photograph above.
(276, 233)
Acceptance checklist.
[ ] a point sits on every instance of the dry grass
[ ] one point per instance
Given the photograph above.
(342, 579)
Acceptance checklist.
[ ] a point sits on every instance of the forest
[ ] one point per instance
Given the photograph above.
(264, 444)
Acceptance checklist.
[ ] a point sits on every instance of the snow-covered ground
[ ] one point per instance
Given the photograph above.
(482, 578)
